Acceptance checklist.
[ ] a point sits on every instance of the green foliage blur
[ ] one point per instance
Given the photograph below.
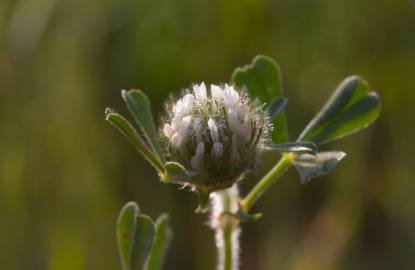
(65, 173)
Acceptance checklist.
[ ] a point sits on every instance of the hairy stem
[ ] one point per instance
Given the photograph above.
(226, 228)
(257, 191)
(227, 249)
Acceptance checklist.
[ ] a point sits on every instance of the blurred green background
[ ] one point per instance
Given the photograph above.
(65, 173)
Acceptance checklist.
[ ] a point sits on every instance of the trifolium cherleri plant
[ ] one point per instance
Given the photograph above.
(209, 137)
(217, 131)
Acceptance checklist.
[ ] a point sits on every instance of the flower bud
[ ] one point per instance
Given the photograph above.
(217, 132)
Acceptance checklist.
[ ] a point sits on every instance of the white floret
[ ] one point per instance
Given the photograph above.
(168, 130)
(241, 129)
(196, 161)
(217, 150)
(213, 128)
(230, 97)
(234, 151)
(183, 106)
(197, 128)
(216, 92)
(200, 93)
(177, 132)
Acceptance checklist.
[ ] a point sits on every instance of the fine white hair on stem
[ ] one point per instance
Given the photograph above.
(227, 231)
(220, 238)
(223, 201)
(236, 249)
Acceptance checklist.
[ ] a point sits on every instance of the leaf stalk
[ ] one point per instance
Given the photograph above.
(256, 192)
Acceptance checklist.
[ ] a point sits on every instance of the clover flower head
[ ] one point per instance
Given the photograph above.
(217, 131)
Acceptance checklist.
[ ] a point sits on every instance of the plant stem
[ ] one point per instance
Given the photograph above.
(284, 163)
(226, 228)
(227, 260)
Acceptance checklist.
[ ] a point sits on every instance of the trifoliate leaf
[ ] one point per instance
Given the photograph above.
(162, 239)
(126, 227)
(294, 147)
(262, 79)
(135, 235)
(309, 166)
(351, 108)
(276, 106)
(128, 131)
(142, 241)
(139, 106)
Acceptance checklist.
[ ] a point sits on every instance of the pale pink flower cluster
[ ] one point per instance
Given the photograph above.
(196, 114)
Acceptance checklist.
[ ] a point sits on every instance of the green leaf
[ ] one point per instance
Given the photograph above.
(127, 129)
(126, 227)
(139, 106)
(276, 106)
(351, 108)
(295, 147)
(176, 173)
(262, 79)
(309, 166)
(142, 242)
(161, 243)
(135, 234)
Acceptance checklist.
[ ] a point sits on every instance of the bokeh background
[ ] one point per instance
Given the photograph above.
(65, 173)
